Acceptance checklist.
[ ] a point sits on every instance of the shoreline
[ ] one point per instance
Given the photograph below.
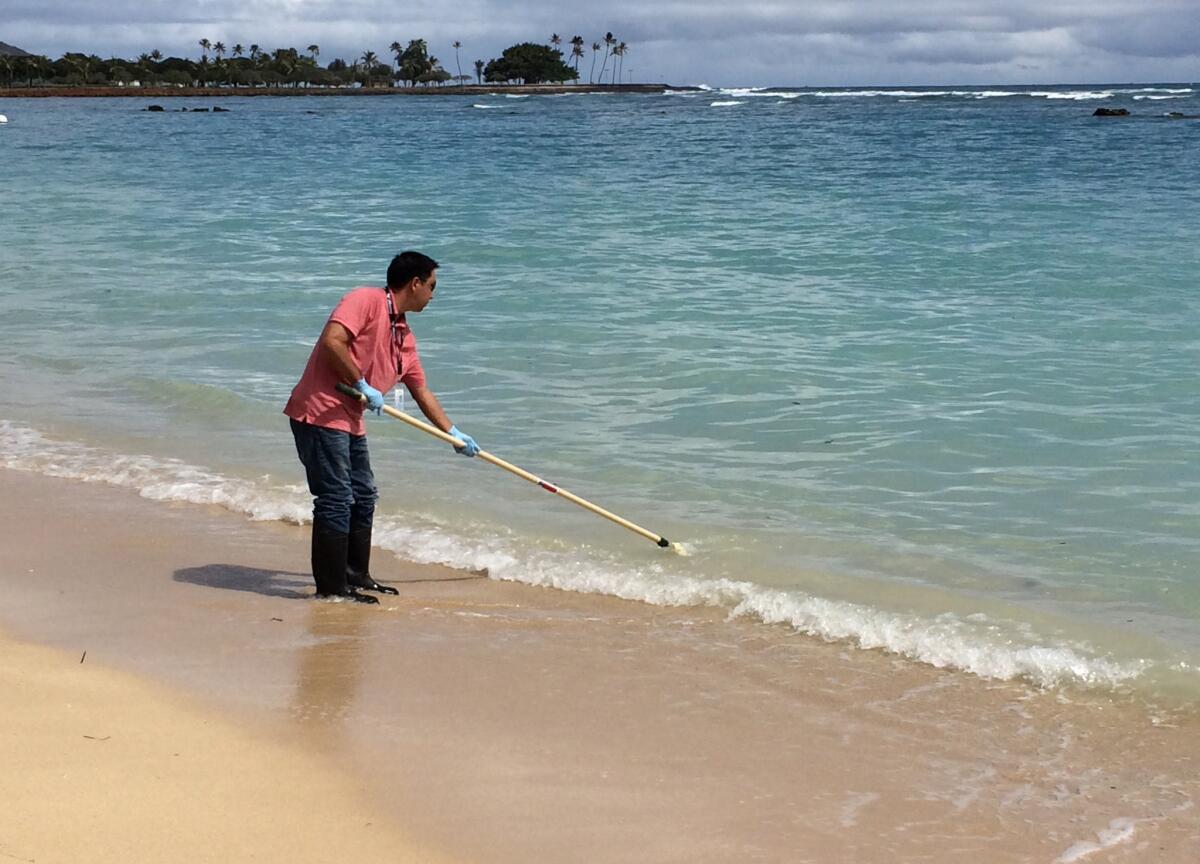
(470, 710)
(226, 92)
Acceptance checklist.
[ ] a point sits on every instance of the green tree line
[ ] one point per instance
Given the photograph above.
(408, 65)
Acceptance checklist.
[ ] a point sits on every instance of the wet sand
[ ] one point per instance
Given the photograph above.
(501, 723)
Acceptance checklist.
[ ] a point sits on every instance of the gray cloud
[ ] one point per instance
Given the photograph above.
(782, 42)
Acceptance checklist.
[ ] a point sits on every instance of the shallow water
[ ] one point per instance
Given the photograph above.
(907, 368)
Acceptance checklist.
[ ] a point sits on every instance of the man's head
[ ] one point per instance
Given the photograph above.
(413, 277)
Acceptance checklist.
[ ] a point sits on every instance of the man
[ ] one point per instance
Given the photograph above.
(368, 345)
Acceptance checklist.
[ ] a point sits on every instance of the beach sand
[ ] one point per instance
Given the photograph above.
(101, 767)
(491, 722)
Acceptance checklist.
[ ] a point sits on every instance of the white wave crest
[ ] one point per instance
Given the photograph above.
(1071, 95)
(24, 449)
(481, 105)
(751, 92)
(1074, 95)
(725, 103)
(419, 539)
(1159, 90)
(946, 641)
(912, 94)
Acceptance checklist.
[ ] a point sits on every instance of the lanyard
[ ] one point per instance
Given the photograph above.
(397, 333)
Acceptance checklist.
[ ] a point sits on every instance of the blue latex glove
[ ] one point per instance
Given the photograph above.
(469, 448)
(374, 397)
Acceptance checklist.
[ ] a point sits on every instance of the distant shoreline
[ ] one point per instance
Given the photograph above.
(226, 92)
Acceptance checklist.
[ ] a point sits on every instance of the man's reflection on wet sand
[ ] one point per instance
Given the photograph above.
(330, 664)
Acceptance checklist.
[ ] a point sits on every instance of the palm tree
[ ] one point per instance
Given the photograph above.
(457, 45)
(143, 63)
(479, 71)
(219, 50)
(6, 64)
(369, 61)
(255, 55)
(237, 51)
(577, 51)
(619, 53)
(155, 55)
(415, 62)
(285, 60)
(30, 65)
(314, 51)
(555, 39)
(81, 64)
(595, 49)
(609, 41)
(204, 45)
(397, 49)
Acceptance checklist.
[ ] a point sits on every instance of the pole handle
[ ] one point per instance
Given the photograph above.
(513, 469)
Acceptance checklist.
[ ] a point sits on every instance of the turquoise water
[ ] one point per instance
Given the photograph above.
(912, 369)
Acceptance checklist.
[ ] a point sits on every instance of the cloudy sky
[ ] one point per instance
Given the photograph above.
(719, 42)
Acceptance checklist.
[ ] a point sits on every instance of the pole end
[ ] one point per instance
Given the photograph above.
(664, 542)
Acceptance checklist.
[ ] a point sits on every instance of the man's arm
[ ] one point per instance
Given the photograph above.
(431, 407)
(335, 350)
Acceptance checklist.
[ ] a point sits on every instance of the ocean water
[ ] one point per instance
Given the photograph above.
(911, 369)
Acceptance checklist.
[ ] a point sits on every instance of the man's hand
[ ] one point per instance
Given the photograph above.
(469, 447)
(374, 397)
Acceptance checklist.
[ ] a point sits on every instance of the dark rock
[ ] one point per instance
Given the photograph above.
(199, 110)
(1111, 112)
(1179, 115)
(156, 108)
(219, 110)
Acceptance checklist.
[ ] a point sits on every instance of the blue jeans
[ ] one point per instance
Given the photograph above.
(339, 475)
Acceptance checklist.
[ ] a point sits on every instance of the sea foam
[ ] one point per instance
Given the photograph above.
(946, 641)
(1118, 831)
(750, 92)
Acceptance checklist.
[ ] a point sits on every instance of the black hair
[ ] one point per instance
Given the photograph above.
(406, 265)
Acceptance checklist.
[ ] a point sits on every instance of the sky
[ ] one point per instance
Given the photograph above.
(716, 42)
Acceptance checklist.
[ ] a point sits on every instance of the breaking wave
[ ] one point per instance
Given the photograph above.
(973, 644)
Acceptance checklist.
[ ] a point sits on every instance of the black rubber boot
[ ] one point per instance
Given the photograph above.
(329, 564)
(358, 560)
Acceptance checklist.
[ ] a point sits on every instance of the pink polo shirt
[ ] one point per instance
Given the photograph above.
(364, 312)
